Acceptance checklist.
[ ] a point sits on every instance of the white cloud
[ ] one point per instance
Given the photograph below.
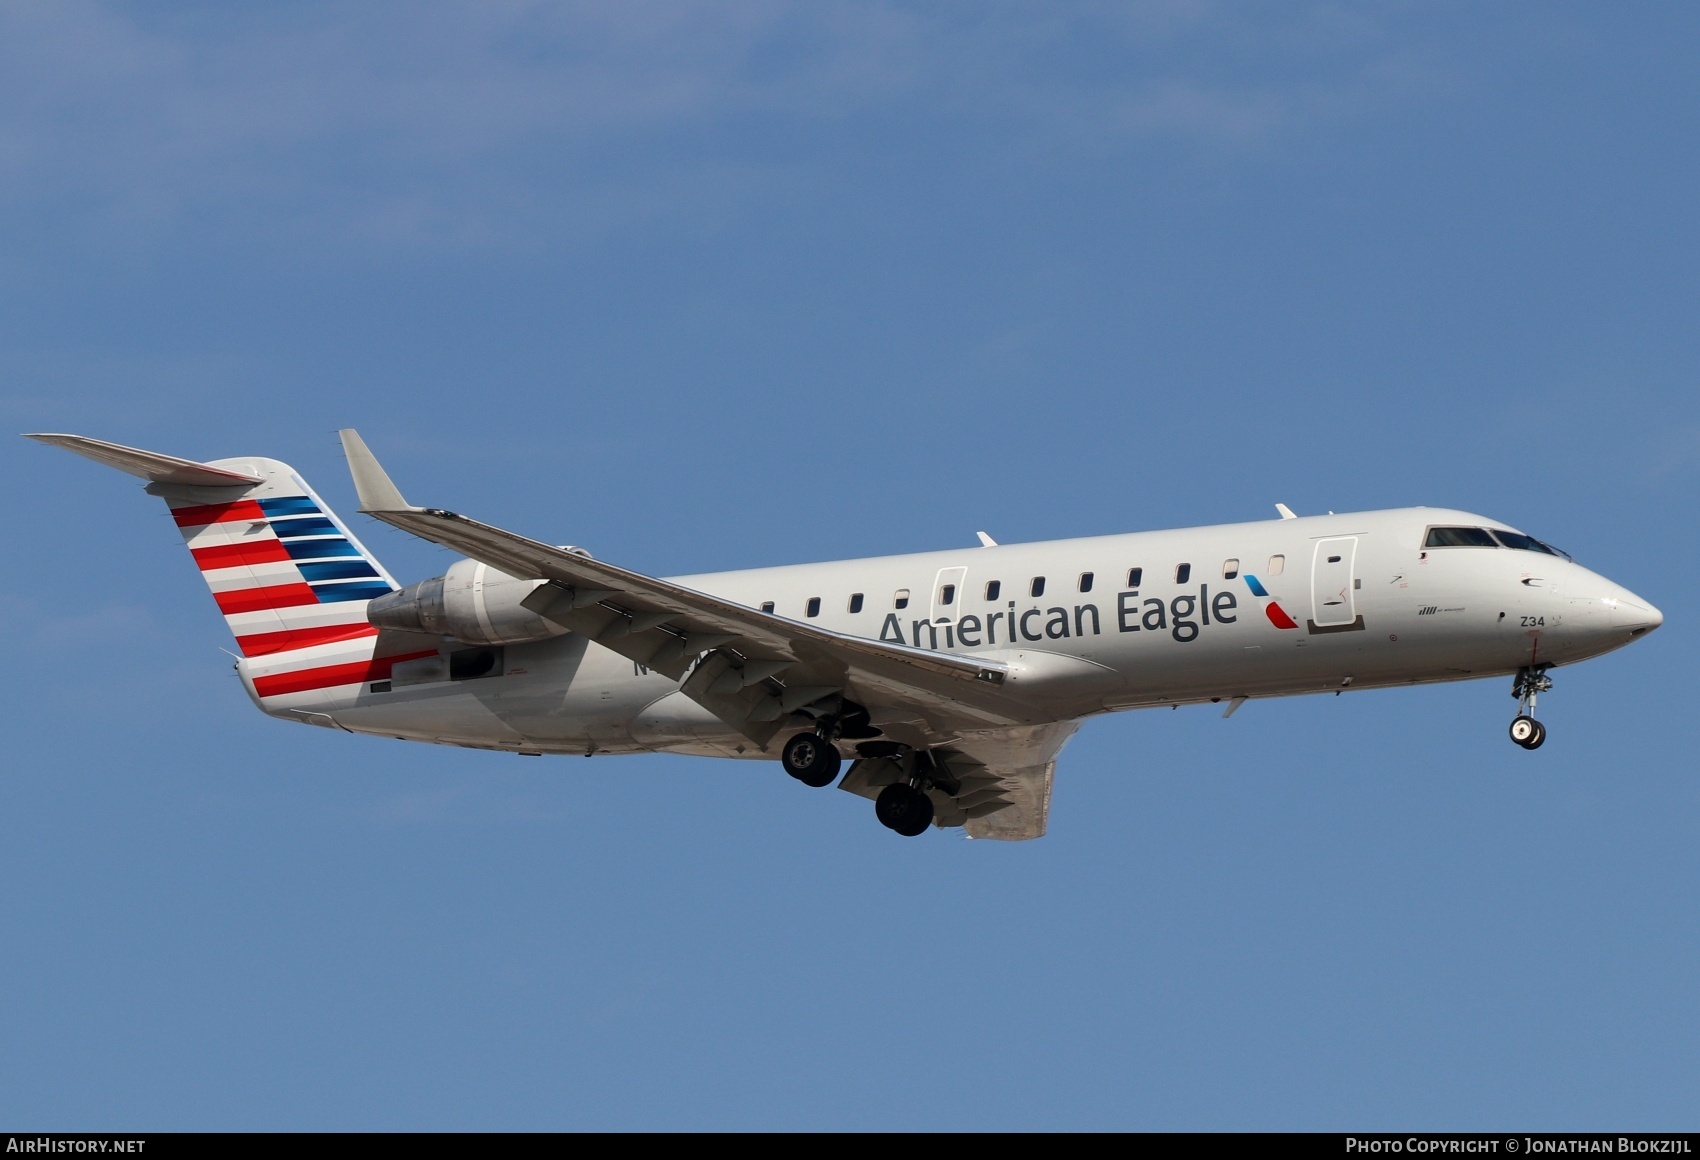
(475, 124)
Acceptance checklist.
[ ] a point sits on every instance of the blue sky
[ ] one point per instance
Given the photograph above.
(705, 286)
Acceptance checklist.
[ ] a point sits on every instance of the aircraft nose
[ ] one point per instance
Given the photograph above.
(1629, 611)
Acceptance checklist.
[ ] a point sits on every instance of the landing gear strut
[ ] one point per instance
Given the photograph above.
(811, 759)
(1529, 684)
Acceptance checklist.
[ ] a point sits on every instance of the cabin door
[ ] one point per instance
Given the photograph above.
(947, 599)
(1333, 582)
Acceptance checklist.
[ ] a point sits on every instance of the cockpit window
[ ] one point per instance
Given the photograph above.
(1524, 543)
(1459, 538)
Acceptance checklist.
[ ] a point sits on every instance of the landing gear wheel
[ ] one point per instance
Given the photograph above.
(1528, 732)
(810, 759)
(905, 809)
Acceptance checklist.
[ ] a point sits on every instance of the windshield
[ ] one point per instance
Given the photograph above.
(1459, 538)
(1526, 543)
(1448, 537)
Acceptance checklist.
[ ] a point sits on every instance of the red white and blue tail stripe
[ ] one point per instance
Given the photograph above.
(293, 583)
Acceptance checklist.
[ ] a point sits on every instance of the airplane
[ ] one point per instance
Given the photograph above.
(951, 680)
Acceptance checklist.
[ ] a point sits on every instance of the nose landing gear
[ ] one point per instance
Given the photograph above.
(1529, 684)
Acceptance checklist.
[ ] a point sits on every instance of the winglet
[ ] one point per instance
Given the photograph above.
(378, 493)
(1286, 512)
(149, 465)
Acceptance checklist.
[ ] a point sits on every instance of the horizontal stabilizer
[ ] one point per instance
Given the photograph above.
(149, 465)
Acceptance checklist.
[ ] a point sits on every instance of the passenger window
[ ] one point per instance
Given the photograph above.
(1037, 588)
(947, 594)
(1459, 538)
(855, 602)
(1230, 569)
(767, 606)
(993, 587)
(1134, 576)
(814, 606)
(901, 600)
(1183, 573)
(1086, 581)
(1277, 565)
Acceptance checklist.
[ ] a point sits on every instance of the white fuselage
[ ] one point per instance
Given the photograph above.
(1368, 604)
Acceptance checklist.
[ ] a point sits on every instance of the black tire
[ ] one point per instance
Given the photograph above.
(811, 759)
(891, 804)
(904, 809)
(1525, 730)
(1540, 736)
(920, 816)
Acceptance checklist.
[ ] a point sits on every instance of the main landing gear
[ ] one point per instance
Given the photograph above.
(1529, 684)
(905, 809)
(811, 759)
(903, 806)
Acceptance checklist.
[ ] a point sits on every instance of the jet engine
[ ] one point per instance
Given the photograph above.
(471, 602)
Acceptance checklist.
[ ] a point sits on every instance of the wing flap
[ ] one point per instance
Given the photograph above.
(1023, 809)
(995, 784)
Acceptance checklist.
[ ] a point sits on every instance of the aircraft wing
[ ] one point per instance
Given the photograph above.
(996, 783)
(751, 669)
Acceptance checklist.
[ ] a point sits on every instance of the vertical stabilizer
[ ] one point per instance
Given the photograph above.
(289, 577)
(283, 568)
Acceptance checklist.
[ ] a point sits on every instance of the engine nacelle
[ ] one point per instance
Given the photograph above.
(471, 602)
